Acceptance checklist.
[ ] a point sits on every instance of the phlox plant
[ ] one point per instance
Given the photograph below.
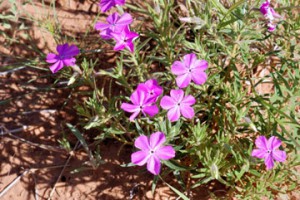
(190, 93)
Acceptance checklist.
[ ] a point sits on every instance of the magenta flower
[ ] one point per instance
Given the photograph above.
(141, 103)
(107, 4)
(269, 14)
(65, 57)
(189, 69)
(178, 104)
(268, 150)
(125, 39)
(152, 151)
(152, 88)
(115, 25)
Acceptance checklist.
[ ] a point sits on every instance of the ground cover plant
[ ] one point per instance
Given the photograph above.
(200, 91)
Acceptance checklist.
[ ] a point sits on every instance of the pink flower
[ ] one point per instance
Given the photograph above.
(115, 24)
(269, 14)
(107, 4)
(141, 103)
(152, 151)
(152, 88)
(178, 104)
(268, 150)
(65, 57)
(125, 39)
(189, 69)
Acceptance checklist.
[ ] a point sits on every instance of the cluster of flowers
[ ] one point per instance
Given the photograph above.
(117, 27)
(144, 98)
(269, 14)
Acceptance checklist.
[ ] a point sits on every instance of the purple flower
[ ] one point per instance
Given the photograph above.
(189, 69)
(152, 88)
(268, 150)
(152, 151)
(65, 57)
(115, 25)
(125, 39)
(141, 102)
(178, 104)
(107, 4)
(269, 14)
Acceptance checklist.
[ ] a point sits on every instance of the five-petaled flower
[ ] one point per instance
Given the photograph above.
(65, 57)
(152, 88)
(125, 39)
(141, 103)
(189, 69)
(269, 14)
(268, 150)
(115, 24)
(177, 104)
(152, 151)
(107, 4)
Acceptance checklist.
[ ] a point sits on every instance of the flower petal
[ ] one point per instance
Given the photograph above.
(174, 114)
(119, 46)
(188, 100)
(125, 19)
(199, 77)
(258, 153)
(273, 143)
(142, 143)
(134, 115)
(51, 58)
(183, 80)
(56, 66)
(200, 65)
(165, 153)
(113, 18)
(187, 111)
(61, 48)
(269, 162)
(135, 97)
(139, 158)
(167, 102)
(106, 5)
(151, 110)
(156, 140)
(189, 59)
(69, 61)
(261, 143)
(130, 46)
(101, 26)
(178, 68)
(153, 165)
(177, 95)
(129, 107)
(71, 51)
(279, 155)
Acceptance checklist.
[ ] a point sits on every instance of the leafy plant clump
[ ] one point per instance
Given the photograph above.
(202, 90)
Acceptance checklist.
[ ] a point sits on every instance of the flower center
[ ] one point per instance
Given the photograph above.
(268, 151)
(151, 151)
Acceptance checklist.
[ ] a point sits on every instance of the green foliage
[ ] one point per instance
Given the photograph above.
(252, 89)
